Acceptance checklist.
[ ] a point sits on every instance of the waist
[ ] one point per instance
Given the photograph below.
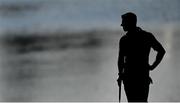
(136, 64)
(136, 71)
(136, 60)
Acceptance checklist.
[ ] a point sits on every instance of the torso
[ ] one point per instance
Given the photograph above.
(136, 49)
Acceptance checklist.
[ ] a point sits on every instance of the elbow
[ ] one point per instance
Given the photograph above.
(163, 51)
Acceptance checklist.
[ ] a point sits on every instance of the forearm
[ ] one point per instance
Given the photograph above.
(159, 58)
(120, 66)
(120, 69)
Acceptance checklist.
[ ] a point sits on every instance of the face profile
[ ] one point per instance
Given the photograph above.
(124, 25)
(129, 21)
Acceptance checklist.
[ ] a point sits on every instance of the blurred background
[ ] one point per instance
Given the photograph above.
(66, 50)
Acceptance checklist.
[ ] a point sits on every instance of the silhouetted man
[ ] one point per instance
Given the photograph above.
(133, 60)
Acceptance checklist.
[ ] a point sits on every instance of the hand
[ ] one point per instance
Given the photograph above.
(151, 67)
(119, 81)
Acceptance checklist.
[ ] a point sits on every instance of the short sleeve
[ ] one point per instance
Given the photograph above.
(121, 44)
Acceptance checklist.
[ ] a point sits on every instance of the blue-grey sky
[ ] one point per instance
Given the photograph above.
(55, 14)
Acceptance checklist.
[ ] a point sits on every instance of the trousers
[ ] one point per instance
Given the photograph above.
(136, 91)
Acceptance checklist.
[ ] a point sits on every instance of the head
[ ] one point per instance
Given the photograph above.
(129, 21)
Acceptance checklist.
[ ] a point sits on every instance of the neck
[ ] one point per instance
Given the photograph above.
(132, 30)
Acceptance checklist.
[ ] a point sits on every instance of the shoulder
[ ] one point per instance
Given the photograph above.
(147, 35)
(123, 38)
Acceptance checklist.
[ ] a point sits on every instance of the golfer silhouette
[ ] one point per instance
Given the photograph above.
(133, 60)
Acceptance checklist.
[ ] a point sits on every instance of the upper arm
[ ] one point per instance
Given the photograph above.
(121, 47)
(155, 44)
